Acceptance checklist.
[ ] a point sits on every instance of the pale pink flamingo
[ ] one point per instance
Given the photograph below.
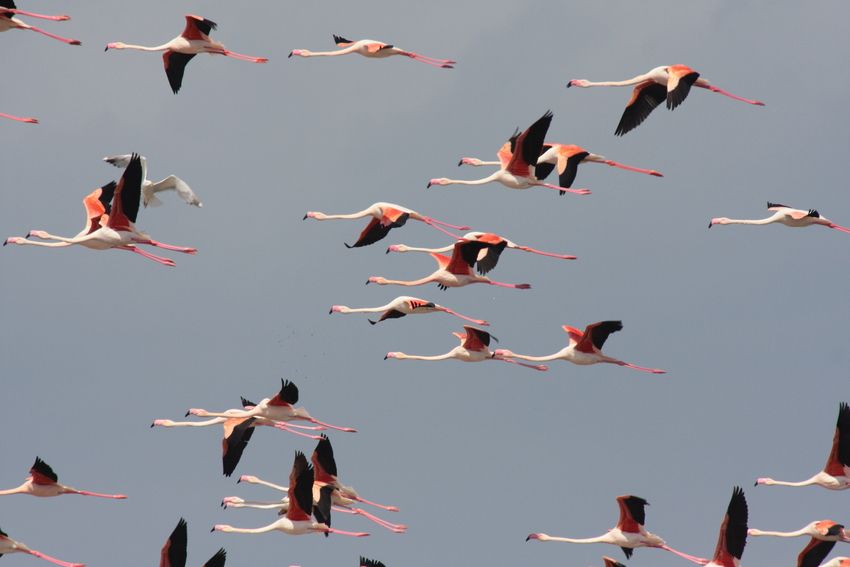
(110, 227)
(279, 407)
(629, 532)
(566, 157)
(404, 305)
(782, 214)
(455, 271)
(474, 347)
(43, 482)
(174, 551)
(670, 82)
(8, 21)
(585, 347)
(487, 257)
(8, 545)
(180, 50)
(297, 520)
(836, 473)
(19, 119)
(822, 530)
(733, 533)
(374, 50)
(150, 188)
(518, 172)
(385, 217)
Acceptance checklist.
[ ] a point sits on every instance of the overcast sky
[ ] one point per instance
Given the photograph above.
(750, 322)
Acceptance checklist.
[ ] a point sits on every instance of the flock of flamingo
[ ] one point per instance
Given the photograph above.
(525, 160)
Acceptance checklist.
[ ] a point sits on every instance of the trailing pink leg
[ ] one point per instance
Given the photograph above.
(550, 254)
(430, 220)
(694, 559)
(642, 368)
(563, 190)
(61, 18)
(59, 37)
(465, 318)
(718, 90)
(838, 227)
(18, 118)
(113, 496)
(510, 285)
(149, 256)
(541, 367)
(242, 57)
(164, 246)
(432, 59)
(283, 427)
(398, 528)
(613, 163)
(375, 504)
(443, 230)
(329, 426)
(307, 427)
(46, 557)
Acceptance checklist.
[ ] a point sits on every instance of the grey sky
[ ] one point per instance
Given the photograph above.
(749, 322)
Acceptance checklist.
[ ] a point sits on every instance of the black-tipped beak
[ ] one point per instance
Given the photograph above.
(238, 480)
(460, 163)
(331, 311)
(290, 55)
(569, 84)
(187, 414)
(212, 530)
(29, 234)
(385, 357)
(305, 216)
(388, 251)
(756, 483)
(529, 537)
(371, 322)
(106, 48)
(428, 186)
(347, 245)
(5, 242)
(709, 224)
(151, 424)
(367, 282)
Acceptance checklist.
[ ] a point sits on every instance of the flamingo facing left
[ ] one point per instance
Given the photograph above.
(795, 218)
(45, 483)
(373, 50)
(19, 119)
(733, 533)
(474, 347)
(179, 51)
(822, 530)
(404, 305)
(629, 532)
(9, 21)
(8, 545)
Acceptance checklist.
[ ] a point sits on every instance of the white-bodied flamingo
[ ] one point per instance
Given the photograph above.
(823, 530)
(404, 305)
(9, 21)
(8, 545)
(43, 482)
(782, 214)
(373, 50)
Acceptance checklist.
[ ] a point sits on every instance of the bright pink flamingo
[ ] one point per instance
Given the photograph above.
(8, 545)
(455, 271)
(795, 218)
(404, 305)
(385, 217)
(373, 50)
(43, 482)
(19, 119)
(8, 21)
(179, 51)
(518, 172)
(585, 347)
(671, 83)
(836, 473)
(629, 532)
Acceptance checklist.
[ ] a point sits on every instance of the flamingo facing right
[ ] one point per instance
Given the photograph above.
(8, 21)
(585, 347)
(373, 50)
(629, 532)
(836, 473)
(44, 482)
(8, 545)
(19, 119)
(404, 305)
(782, 214)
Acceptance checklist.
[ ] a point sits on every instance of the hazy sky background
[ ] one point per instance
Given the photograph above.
(749, 322)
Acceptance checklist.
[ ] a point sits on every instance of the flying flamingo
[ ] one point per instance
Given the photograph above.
(487, 257)
(836, 473)
(44, 482)
(180, 50)
(671, 83)
(584, 347)
(566, 157)
(733, 533)
(19, 119)
(110, 227)
(385, 217)
(370, 562)
(8, 21)
(150, 189)
(404, 305)
(823, 530)
(8, 545)
(374, 50)
(782, 214)
(474, 347)
(518, 172)
(297, 519)
(174, 551)
(280, 407)
(629, 532)
(455, 271)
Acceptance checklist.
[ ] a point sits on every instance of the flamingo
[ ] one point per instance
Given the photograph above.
(671, 83)
(488, 257)
(455, 271)
(374, 50)
(18, 118)
(180, 50)
(385, 217)
(8, 21)
(783, 214)
(474, 347)
(404, 305)
(733, 533)
(585, 347)
(43, 482)
(629, 532)
(8, 545)
(836, 473)
(278, 408)
(297, 519)
(566, 157)
(110, 227)
(150, 189)
(823, 530)
(174, 551)
(370, 562)
(517, 172)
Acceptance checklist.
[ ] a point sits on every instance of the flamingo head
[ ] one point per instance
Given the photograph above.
(503, 353)
(161, 422)
(539, 537)
(718, 220)
(230, 500)
(438, 181)
(115, 45)
(393, 355)
(314, 215)
(38, 234)
(765, 481)
(195, 411)
(338, 309)
(221, 528)
(469, 161)
(13, 240)
(300, 52)
(578, 83)
(397, 248)
(376, 279)
(247, 478)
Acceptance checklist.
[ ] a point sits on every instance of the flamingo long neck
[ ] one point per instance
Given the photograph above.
(446, 356)
(346, 51)
(421, 281)
(269, 528)
(366, 309)
(483, 181)
(61, 244)
(169, 423)
(163, 47)
(755, 532)
(768, 220)
(357, 215)
(626, 83)
(599, 539)
(807, 482)
(258, 505)
(546, 358)
(429, 250)
(22, 489)
(269, 484)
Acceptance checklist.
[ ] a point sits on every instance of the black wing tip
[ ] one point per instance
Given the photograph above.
(772, 205)
(813, 213)
(339, 39)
